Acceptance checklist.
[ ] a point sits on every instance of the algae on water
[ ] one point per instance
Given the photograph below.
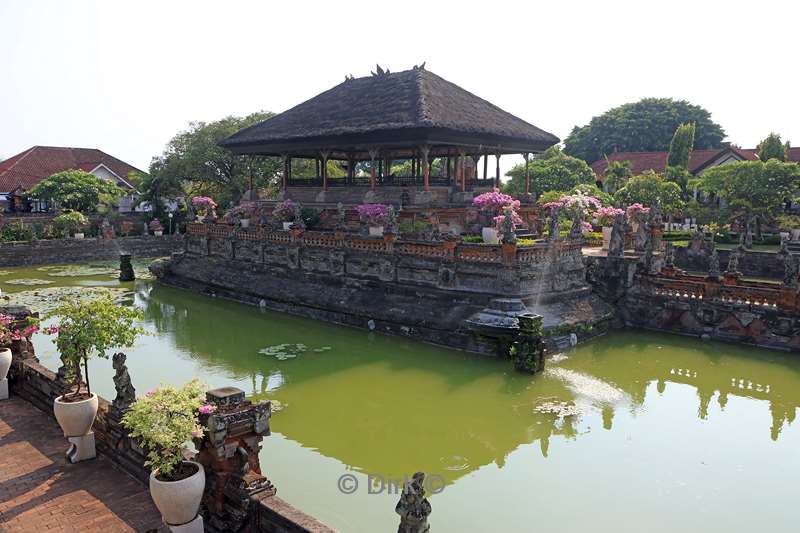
(283, 352)
(46, 299)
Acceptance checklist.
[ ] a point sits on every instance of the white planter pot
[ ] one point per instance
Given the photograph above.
(200, 218)
(784, 235)
(78, 235)
(178, 501)
(634, 227)
(287, 225)
(796, 234)
(489, 235)
(5, 362)
(606, 236)
(245, 222)
(75, 418)
(376, 231)
(158, 232)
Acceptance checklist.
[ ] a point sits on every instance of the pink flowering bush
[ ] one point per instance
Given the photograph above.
(494, 201)
(284, 211)
(10, 331)
(636, 212)
(606, 215)
(499, 220)
(206, 205)
(155, 225)
(372, 214)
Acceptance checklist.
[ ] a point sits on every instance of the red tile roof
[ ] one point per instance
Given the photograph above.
(642, 161)
(28, 168)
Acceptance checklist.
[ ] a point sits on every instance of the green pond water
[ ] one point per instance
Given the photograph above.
(631, 432)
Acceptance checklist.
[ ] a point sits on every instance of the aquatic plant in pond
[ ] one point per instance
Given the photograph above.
(28, 281)
(45, 300)
(286, 351)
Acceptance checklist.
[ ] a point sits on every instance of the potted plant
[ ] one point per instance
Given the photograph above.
(164, 421)
(636, 213)
(10, 332)
(85, 330)
(789, 225)
(156, 227)
(605, 216)
(205, 207)
(239, 216)
(492, 204)
(374, 216)
(71, 223)
(285, 212)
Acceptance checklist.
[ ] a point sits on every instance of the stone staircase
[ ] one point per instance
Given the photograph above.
(793, 247)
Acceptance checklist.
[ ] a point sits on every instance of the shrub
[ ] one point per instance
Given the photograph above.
(372, 214)
(164, 421)
(155, 225)
(310, 217)
(284, 211)
(70, 222)
(16, 231)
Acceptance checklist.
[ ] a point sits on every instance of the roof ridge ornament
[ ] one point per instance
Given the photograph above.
(420, 67)
(379, 71)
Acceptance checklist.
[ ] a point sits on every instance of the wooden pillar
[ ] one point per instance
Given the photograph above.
(316, 168)
(351, 169)
(497, 172)
(324, 162)
(485, 167)
(447, 165)
(462, 168)
(287, 164)
(527, 175)
(475, 159)
(373, 154)
(426, 168)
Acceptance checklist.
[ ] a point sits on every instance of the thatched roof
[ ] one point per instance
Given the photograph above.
(392, 111)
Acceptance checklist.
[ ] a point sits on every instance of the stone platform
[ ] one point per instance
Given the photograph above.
(39, 491)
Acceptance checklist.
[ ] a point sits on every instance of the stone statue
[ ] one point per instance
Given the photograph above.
(790, 267)
(641, 237)
(341, 216)
(733, 262)
(553, 231)
(298, 217)
(655, 218)
(648, 256)
(391, 221)
(413, 507)
(748, 234)
(713, 262)
(669, 255)
(509, 235)
(126, 394)
(616, 245)
(576, 231)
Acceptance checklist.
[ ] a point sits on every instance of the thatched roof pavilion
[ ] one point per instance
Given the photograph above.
(412, 115)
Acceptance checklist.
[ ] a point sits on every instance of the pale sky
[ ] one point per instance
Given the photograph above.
(126, 76)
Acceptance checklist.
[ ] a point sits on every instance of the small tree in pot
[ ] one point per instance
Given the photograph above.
(71, 223)
(164, 421)
(86, 330)
(10, 331)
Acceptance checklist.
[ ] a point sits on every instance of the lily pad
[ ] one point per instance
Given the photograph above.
(28, 281)
(46, 299)
(286, 351)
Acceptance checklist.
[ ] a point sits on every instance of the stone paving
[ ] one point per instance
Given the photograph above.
(40, 492)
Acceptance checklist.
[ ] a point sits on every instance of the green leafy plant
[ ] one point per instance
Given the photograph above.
(77, 190)
(16, 231)
(788, 222)
(91, 329)
(70, 222)
(310, 217)
(164, 421)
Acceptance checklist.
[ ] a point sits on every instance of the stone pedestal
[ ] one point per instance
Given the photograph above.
(195, 526)
(229, 455)
(4, 389)
(424, 198)
(81, 448)
(462, 197)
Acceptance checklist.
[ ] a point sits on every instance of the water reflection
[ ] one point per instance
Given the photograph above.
(389, 405)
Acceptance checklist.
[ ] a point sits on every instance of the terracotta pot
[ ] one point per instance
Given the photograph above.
(75, 418)
(606, 236)
(287, 225)
(5, 362)
(489, 235)
(376, 231)
(178, 501)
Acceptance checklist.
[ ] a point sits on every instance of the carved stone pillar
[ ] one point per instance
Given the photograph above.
(229, 455)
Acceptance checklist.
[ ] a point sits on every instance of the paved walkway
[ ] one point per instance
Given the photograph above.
(39, 492)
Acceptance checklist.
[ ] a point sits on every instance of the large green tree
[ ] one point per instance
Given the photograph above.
(552, 171)
(772, 148)
(752, 189)
(646, 125)
(649, 189)
(194, 158)
(77, 190)
(617, 175)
